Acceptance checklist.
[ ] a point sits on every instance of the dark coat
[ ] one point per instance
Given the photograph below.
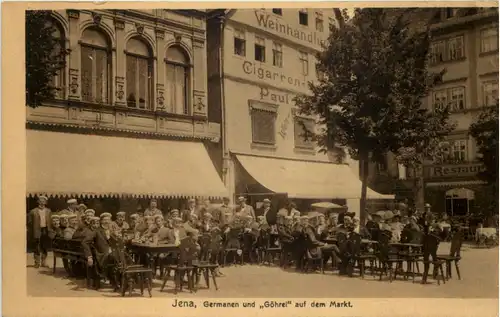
(100, 242)
(34, 221)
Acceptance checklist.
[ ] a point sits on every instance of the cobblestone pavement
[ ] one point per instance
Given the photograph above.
(479, 270)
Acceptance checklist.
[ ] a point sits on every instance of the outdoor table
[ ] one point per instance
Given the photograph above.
(487, 232)
(149, 251)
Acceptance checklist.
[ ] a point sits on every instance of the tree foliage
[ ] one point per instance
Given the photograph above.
(374, 76)
(485, 132)
(45, 56)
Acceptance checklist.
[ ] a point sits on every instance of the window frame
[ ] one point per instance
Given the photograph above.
(303, 144)
(304, 61)
(280, 12)
(187, 66)
(149, 104)
(260, 46)
(484, 85)
(107, 50)
(58, 81)
(489, 37)
(453, 150)
(303, 14)
(277, 54)
(239, 35)
(444, 47)
(451, 101)
(321, 22)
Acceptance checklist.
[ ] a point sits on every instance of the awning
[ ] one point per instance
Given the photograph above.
(311, 180)
(454, 183)
(64, 164)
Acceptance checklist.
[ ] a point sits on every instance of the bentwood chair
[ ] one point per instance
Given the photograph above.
(188, 254)
(128, 273)
(430, 247)
(454, 254)
(387, 259)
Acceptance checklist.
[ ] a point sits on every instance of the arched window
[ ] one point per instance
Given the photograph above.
(58, 57)
(177, 81)
(96, 65)
(139, 75)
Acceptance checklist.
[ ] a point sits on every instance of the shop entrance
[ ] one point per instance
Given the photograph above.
(459, 201)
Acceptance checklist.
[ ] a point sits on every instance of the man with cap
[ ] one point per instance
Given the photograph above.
(266, 208)
(55, 231)
(98, 237)
(243, 209)
(80, 212)
(72, 226)
(133, 221)
(119, 225)
(217, 214)
(190, 211)
(153, 210)
(81, 232)
(206, 224)
(39, 223)
(72, 207)
(226, 211)
(192, 223)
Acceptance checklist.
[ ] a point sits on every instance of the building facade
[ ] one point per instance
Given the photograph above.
(258, 61)
(130, 120)
(465, 43)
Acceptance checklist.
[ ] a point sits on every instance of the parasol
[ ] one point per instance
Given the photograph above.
(314, 214)
(380, 213)
(388, 215)
(327, 205)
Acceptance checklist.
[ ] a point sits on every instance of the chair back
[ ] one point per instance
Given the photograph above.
(187, 252)
(355, 243)
(205, 241)
(374, 233)
(384, 247)
(456, 243)
(431, 245)
(416, 236)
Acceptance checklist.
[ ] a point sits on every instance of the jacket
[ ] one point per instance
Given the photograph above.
(34, 221)
(98, 239)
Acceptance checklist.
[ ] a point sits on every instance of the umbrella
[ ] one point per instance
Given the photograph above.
(327, 205)
(380, 213)
(388, 215)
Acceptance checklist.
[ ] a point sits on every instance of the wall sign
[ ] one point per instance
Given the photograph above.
(250, 68)
(457, 170)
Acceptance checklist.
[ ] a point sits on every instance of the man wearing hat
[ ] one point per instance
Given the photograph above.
(72, 207)
(55, 231)
(72, 226)
(134, 218)
(119, 225)
(39, 223)
(190, 211)
(243, 209)
(98, 237)
(225, 211)
(80, 213)
(206, 224)
(153, 210)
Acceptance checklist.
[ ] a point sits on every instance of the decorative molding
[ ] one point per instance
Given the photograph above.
(199, 106)
(161, 123)
(262, 106)
(139, 28)
(120, 93)
(73, 113)
(73, 14)
(97, 18)
(73, 83)
(160, 90)
(121, 117)
(178, 37)
(160, 34)
(119, 24)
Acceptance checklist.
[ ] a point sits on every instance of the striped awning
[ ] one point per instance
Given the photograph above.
(308, 180)
(77, 165)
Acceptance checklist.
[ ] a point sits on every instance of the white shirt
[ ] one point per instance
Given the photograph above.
(43, 220)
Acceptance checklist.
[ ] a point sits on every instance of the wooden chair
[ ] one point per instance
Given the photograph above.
(454, 255)
(386, 258)
(430, 247)
(128, 273)
(187, 254)
(207, 265)
(232, 246)
(359, 255)
(272, 248)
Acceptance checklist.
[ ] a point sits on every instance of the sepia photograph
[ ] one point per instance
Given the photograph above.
(306, 157)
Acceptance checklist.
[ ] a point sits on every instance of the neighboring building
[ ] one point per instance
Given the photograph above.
(465, 42)
(131, 118)
(258, 61)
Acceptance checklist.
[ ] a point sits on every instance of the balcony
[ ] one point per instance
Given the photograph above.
(453, 170)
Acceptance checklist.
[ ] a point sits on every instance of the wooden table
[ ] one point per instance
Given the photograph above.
(151, 251)
(333, 240)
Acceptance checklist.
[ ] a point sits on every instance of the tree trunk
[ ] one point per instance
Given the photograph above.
(419, 193)
(364, 184)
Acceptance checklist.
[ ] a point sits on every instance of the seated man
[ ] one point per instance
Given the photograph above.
(98, 238)
(119, 225)
(313, 245)
(55, 231)
(72, 226)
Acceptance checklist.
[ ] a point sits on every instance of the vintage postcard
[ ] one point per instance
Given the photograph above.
(305, 159)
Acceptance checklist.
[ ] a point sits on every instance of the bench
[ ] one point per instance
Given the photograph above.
(72, 251)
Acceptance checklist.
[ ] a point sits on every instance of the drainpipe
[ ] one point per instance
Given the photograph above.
(225, 153)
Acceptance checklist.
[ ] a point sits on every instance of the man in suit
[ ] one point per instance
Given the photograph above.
(266, 210)
(99, 239)
(226, 211)
(39, 222)
(55, 231)
(119, 225)
(71, 229)
(191, 210)
(72, 207)
(243, 209)
(153, 210)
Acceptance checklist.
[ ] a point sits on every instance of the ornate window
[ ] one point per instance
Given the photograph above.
(58, 80)
(303, 137)
(96, 66)
(139, 75)
(178, 69)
